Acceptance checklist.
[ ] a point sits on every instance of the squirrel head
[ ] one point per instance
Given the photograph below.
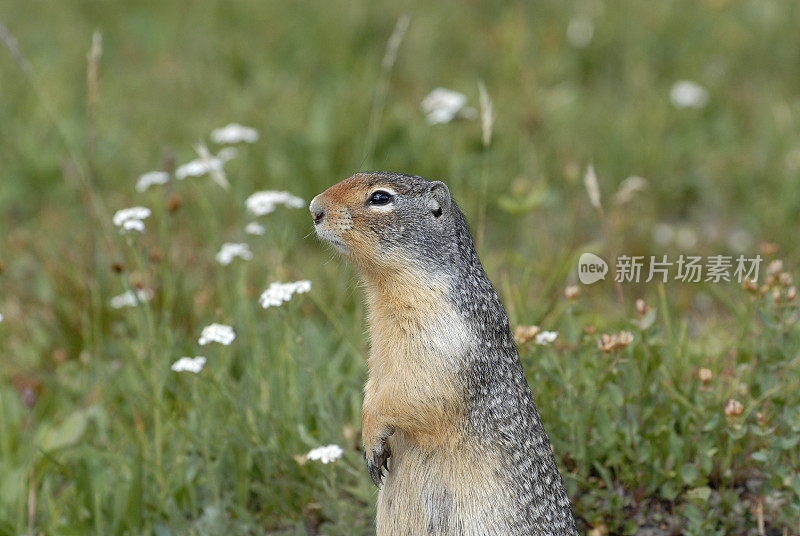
(388, 223)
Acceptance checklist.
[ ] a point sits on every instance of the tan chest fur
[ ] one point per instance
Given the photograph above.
(417, 340)
(437, 482)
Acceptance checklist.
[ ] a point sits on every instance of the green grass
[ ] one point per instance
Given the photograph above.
(119, 444)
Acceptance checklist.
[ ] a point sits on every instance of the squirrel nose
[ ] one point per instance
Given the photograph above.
(317, 212)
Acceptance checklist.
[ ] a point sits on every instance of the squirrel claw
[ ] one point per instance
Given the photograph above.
(378, 461)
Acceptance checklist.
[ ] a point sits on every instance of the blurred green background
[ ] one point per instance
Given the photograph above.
(119, 444)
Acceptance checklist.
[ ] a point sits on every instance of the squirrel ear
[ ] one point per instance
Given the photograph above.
(440, 198)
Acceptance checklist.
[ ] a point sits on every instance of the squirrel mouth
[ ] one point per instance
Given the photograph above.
(335, 241)
(339, 245)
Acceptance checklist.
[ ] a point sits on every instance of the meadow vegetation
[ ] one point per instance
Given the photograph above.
(672, 407)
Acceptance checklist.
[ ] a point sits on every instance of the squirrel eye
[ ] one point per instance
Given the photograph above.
(379, 197)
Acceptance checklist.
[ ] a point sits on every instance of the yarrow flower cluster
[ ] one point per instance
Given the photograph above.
(150, 178)
(231, 250)
(327, 454)
(189, 364)
(220, 333)
(131, 219)
(261, 203)
(278, 293)
(209, 164)
(234, 133)
(687, 94)
(254, 228)
(443, 105)
(131, 298)
(545, 338)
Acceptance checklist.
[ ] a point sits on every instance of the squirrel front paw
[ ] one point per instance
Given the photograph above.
(377, 453)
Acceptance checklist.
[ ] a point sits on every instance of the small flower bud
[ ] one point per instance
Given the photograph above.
(155, 255)
(625, 338)
(791, 294)
(523, 334)
(174, 203)
(785, 279)
(775, 267)
(572, 292)
(705, 375)
(733, 408)
(768, 248)
(749, 285)
(642, 307)
(776, 295)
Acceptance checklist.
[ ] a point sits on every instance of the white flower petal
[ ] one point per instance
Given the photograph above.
(278, 293)
(220, 333)
(261, 203)
(131, 298)
(189, 364)
(443, 105)
(254, 228)
(545, 338)
(688, 94)
(149, 179)
(198, 167)
(234, 133)
(132, 225)
(133, 213)
(327, 454)
(227, 153)
(231, 250)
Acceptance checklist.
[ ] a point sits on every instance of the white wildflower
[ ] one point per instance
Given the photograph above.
(592, 188)
(230, 250)
(234, 133)
(254, 228)
(150, 178)
(278, 293)
(206, 163)
(217, 333)
(580, 31)
(189, 364)
(628, 188)
(227, 153)
(327, 454)
(261, 203)
(196, 168)
(443, 105)
(214, 164)
(545, 338)
(133, 225)
(131, 298)
(687, 94)
(130, 219)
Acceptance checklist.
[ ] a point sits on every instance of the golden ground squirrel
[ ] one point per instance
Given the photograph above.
(447, 410)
